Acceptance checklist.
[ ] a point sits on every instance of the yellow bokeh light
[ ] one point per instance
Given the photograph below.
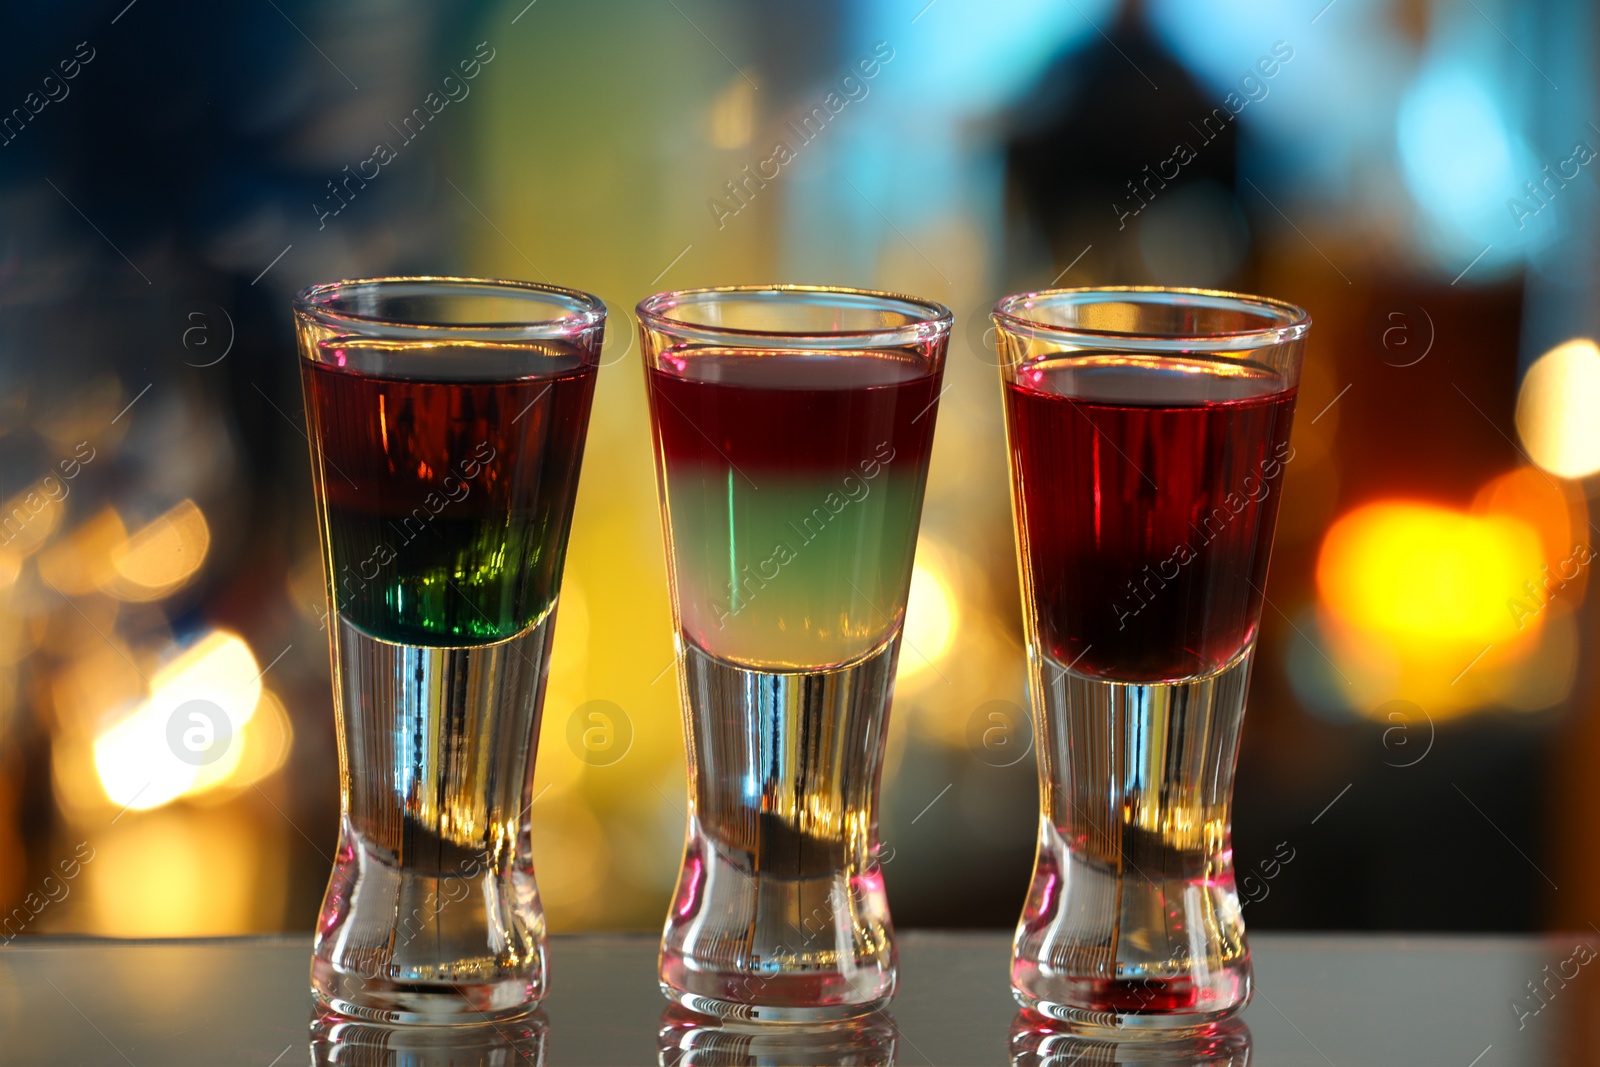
(136, 759)
(82, 562)
(262, 746)
(184, 874)
(27, 519)
(733, 114)
(1555, 509)
(1556, 409)
(1424, 574)
(159, 558)
(1542, 678)
(102, 676)
(558, 768)
(931, 616)
(10, 570)
(572, 853)
(78, 792)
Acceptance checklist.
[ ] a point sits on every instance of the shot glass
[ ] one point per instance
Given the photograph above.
(792, 431)
(1148, 433)
(447, 420)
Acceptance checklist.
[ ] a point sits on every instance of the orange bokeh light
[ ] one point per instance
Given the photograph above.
(1422, 574)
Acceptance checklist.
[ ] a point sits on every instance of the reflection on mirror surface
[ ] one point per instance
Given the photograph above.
(351, 1043)
(1040, 1042)
(689, 1040)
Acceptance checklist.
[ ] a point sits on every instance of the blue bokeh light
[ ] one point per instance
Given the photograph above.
(1461, 161)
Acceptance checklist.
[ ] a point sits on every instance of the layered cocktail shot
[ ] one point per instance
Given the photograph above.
(1148, 433)
(447, 421)
(792, 430)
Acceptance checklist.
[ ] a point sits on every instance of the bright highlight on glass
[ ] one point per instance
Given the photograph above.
(1148, 434)
(792, 429)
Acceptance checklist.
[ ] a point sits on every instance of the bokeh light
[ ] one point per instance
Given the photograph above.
(135, 757)
(1456, 610)
(162, 556)
(931, 615)
(1557, 406)
(1423, 573)
(183, 873)
(1460, 159)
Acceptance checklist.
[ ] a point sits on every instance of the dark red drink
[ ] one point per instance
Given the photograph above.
(1147, 494)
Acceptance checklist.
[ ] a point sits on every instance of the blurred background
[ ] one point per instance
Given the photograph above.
(1419, 175)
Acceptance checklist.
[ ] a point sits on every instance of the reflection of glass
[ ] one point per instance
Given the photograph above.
(1040, 1042)
(792, 431)
(351, 1043)
(447, 422)
(690, 1040)
(1148, 434)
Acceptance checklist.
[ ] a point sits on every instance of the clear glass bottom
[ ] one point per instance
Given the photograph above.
(780, 914)
(1132, 921)
(432, 914)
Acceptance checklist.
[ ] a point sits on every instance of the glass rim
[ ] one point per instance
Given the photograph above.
(316, 302)
(1284, 321)
(929, 318)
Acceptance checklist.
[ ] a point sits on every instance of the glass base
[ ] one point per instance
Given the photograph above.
(381, 1000)
(1132, 922)
(1112, 1024)
(432, 914)
(730, 1011)
(780, 913)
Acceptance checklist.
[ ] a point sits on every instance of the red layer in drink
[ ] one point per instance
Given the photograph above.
(1146, 497)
